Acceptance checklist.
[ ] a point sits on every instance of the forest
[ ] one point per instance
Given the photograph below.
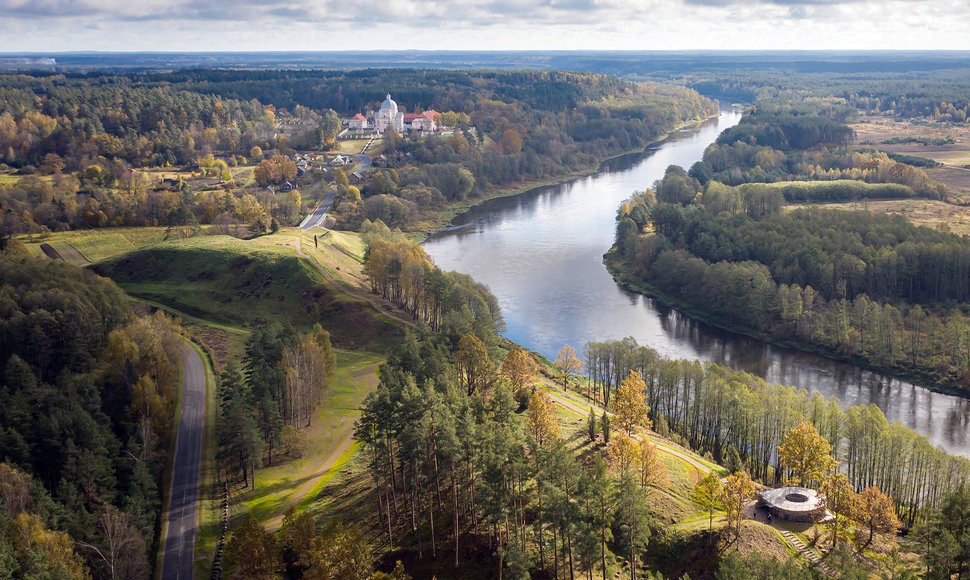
(468, 462)
(82, 142)
(89, 390)
(778, 141)
(465, 451)
(938, 93)
(870, 288)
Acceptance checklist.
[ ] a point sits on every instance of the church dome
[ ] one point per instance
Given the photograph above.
(389, 103)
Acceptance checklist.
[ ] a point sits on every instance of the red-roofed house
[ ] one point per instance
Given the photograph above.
(358, 122)
(421, 121)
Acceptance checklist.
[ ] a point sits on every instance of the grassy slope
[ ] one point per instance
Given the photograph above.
(242, 283)
(221, 287)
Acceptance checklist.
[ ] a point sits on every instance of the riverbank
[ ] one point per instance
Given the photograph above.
(446, 215)
(617, 269)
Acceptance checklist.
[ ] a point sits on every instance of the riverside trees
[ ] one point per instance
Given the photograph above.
(733, 413)
(853, 285)
(448, 302)
(451, 466)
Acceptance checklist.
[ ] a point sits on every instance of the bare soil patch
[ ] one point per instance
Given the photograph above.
(955, 156)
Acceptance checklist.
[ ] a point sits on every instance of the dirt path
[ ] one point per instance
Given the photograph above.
(363, 298)
(660, 446)
(346, 435)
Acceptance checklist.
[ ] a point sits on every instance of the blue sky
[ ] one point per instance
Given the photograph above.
(251, 25)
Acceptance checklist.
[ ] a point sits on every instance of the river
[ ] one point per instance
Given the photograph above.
(541, 254)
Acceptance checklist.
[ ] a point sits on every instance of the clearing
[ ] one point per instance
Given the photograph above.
(946, 143)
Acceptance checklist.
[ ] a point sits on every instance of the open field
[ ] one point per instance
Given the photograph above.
(99, 244)
(353, 145)
(341, 253)
(923, 212)
(936, 137)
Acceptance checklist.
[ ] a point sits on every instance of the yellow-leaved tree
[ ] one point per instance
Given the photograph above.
(519, 368)
(807, 456)
(568, 363)
(650, 468)
(738, 489)
(841, 500)
(875, 512)
(540, 418)
(630, 407)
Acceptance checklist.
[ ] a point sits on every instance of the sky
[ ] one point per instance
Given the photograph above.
(255, 25)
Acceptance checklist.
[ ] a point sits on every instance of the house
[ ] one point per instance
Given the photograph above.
(339, 160)
(287, 186)
(358, 122)
(424, 122)
(355, 177)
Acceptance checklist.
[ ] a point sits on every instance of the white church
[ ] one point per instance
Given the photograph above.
(388, 117)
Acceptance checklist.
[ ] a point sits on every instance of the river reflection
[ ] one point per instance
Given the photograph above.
(541, 255)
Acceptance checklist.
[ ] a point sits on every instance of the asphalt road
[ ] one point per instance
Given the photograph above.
(318, 215)
(316, 218)
(178, 561)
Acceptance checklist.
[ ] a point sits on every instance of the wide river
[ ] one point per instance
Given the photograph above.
(541, 253)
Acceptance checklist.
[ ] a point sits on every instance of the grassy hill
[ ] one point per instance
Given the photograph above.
(244, 283)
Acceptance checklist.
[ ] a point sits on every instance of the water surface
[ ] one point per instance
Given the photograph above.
(541, 253)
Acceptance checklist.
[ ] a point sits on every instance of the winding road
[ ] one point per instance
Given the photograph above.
(317, 216)
(182, 517)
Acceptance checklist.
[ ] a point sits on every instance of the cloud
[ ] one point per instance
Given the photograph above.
(175, 25)
(723, 3)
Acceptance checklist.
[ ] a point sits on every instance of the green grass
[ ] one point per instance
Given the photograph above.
(329, 475)
(353, 145)
(243, 283)
(297, 482)
(100, 244)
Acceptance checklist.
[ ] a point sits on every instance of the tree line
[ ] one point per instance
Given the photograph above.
(77, 119)
(854, 285)
(448, 302)
(89, 388)
(742, 420)
(908, 92)
(780, 141)
(95, 198)
(275, 392)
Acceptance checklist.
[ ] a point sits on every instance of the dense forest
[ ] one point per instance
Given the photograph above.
(858, 286)
(778, 141)
(939, 94)
(89, 389)
(69, 123)
(92, 135)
